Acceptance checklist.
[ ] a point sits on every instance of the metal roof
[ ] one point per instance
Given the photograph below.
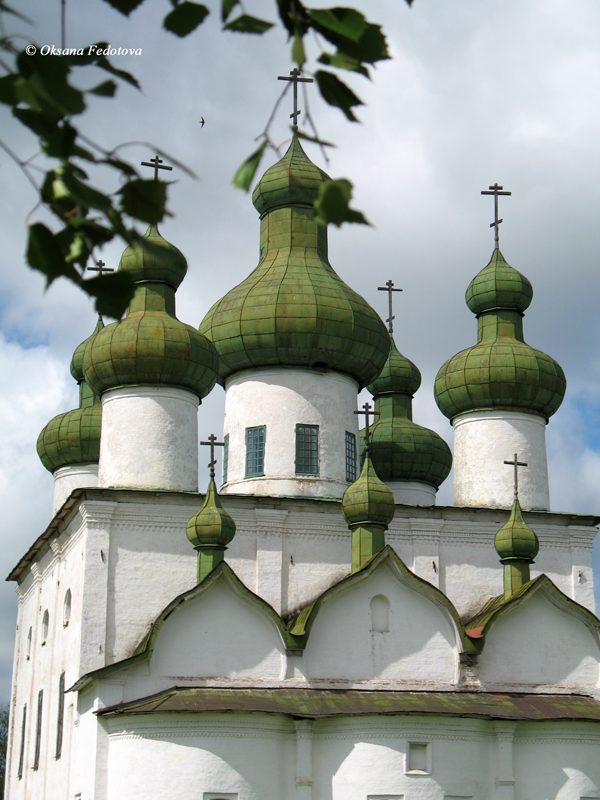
(323, 703)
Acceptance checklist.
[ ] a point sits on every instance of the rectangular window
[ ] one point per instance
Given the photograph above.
(61, 715)
(255, 451)
(22, 748)
(225, 457)
(307, 449)
(350, 457)
(418, 758)
(38, 729)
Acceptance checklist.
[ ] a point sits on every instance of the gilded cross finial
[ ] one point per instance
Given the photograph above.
(389, 288)
(516, 464)
(295, 79)
(212, 443)
(496, 190)
(367, 412)
(157, 163)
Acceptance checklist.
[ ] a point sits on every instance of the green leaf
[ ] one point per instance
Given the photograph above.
(332, 204)
(185, 18)
(248, 24)
(104, 63)
(337, 93)
(321, 142)
(371, 47)
(144, 199)
(8, 95)
(227, 7)
(45, 255)
(125, 6)
(245, 173)
(105, 89)
(82, 193)
(298, 54)
(125, 168)
(113, 293)
(346, 22)
(342, 61)
(44, 85)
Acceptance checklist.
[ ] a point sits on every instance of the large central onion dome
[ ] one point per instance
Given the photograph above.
(401, 450)
(74, 437)
(501, 371)
(151, 346)
(293, 310)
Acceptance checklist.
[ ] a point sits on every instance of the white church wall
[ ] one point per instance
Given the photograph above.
(558, 760)
(483, 440)
(369, 757)
(149, 438)
(72, 477)
(418, 648)
(54, 649)
(200, 757)
(280, 399)
(219, 634)
(538, 646)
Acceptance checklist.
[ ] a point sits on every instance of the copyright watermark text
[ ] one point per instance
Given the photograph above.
(92, 50)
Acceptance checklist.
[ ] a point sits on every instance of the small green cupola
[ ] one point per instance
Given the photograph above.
(73, 438)
(210, 530)
(293, 310)
(150, 346)
(500, 372)
(517, 545)
(404, 453)
(368, 507)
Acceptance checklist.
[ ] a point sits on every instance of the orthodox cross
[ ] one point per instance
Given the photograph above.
(496, 191)
(295, 79)
(367, 412)
(100, 268)
(389, 288)
(212, 443)
(157, 163)
(516, 464)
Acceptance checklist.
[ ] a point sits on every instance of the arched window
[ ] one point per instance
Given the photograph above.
(45, 624)
(67, 608)
(28, 647)
(380, 614)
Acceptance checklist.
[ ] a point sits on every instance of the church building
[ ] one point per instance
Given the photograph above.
(317, 628)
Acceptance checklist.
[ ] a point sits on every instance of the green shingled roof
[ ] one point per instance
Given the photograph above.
(74, 437)
(151, 346)
(368, 500)
(294, 310)
(501, 371)
(401, 450)
(515, 539)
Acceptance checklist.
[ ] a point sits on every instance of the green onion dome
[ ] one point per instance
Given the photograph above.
(368, 501)
(294, 310)
(515, 541)
(150, 346)
(74, 437)
(400, 449)
(501, 371)
(211, 526)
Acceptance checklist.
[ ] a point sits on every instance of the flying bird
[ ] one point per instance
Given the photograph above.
(202, 122)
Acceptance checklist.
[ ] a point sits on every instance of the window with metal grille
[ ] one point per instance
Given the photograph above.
(22, 747)
(350, 457)
(61, 715)
(38, 729)
(255, 451)
(307, 449)
(225, 457)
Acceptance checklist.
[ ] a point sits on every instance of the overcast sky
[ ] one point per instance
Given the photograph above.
(475, 93)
